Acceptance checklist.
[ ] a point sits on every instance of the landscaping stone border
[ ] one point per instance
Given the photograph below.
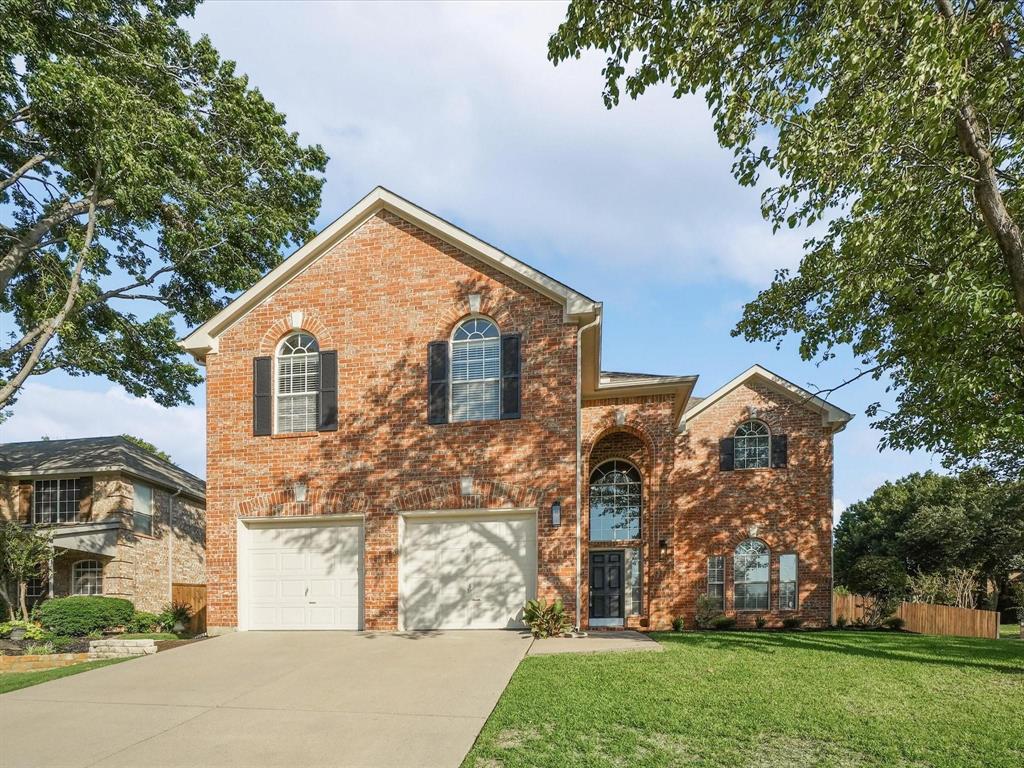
(39, 662)
(112, 648)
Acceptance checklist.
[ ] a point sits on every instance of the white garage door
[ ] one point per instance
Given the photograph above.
(468, 573)
(304, 577)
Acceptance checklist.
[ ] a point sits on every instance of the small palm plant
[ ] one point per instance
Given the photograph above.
(545, 620)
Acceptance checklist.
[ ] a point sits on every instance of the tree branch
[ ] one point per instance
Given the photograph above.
(11, 387)
(31, 163)
(827, 391)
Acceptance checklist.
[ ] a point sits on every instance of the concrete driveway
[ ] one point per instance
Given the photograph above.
(270, 699)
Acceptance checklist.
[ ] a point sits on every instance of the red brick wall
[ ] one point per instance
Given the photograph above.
(378, 297)
(700, 511)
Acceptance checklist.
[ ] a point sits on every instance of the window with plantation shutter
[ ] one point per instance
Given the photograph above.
(476, 371)
(298, 384)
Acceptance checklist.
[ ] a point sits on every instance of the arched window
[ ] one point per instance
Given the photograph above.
(476, 371)
(615, 499)
(752, 447)
(298, 383)
(87, 578)
(750, 575)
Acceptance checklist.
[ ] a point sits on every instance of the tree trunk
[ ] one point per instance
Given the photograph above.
(23, 598)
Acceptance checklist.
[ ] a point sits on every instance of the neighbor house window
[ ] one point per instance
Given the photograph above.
(298, 383)
(36, 588)
(788, 597)
(716, 580)
(87, 578)
(56, 501)
(752, 446)
(615, 498)
(476, 371)
(750, 575)
(142, 508)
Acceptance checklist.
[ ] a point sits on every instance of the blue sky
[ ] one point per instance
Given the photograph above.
(456, 107)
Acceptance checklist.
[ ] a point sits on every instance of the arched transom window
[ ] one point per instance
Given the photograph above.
(750, 575)
(615, 500)
(87, 578)
(753, 445)
(476, 371)
(298, 383)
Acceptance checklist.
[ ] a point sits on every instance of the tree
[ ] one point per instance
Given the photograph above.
(883, 580)
(137, 169)
(897, 125)
(149, 447)
(24, 552)
(937, 524)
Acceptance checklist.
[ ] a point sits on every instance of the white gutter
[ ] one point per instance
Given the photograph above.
(579, 463)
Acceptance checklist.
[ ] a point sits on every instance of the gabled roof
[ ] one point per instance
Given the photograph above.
(575, 305)
(39, 458)
(831, 415)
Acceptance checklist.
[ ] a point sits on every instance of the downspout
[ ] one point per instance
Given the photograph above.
(579, 464)
(170, 547)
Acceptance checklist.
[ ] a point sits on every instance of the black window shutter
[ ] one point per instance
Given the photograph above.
(327, 420)
(511, 369)
(726, 453)
(780, 451)
(262, 396)
(437, 382)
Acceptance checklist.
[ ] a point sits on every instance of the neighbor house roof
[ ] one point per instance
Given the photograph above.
(95, 454)
(831, 415)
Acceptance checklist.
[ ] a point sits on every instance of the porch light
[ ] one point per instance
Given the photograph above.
(556, 514)
(466, 486)
(299, 492)
(663, 547)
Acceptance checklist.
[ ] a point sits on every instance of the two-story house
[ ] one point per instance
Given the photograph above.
(410, 429)
(124, 523)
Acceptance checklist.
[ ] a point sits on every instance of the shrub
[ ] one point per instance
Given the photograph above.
(678, 624)
(894, 622)
(32, 630)
(883, 580)
(707, 610)
(61, 643)
(144, 622)
(842, 621)
(792, 622)
(79, 616)
(545, 620)
(723, 622)
(174, 613)
(760, 622)
(39, 650)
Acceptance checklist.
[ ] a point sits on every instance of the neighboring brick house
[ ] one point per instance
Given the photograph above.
(125, 523)
(402, 421)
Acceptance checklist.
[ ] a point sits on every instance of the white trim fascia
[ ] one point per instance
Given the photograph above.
(831, 415)
(204, 339)
(475, 512)
(275, 521)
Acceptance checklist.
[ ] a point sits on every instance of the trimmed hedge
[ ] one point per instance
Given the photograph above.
(77, 616)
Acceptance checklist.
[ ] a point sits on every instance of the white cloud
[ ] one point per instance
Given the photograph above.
(456, 106)
(63, 413)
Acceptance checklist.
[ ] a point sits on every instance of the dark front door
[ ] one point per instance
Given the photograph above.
(606, 584)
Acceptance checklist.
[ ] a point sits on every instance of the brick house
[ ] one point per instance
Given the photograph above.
(125, 523)
(403, 422)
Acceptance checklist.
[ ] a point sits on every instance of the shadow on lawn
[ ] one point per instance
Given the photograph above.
(941, 651)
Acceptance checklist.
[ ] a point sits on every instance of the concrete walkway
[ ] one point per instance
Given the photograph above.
(270, 699)
(595, 642)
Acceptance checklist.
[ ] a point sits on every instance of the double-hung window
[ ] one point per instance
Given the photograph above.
(789, 599)
(750, 575)
(142, 508)
(716, 580)
(476, 371)
(56, 501)
(298, 384)
(87, 578)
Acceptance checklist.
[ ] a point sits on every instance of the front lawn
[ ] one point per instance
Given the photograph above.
(1009, 630)
(12, 681)
(766, 700)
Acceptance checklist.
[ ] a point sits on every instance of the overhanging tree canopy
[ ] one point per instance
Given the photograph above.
(899, 124)
(136, 168)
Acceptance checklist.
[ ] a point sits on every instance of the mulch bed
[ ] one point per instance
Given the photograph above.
(19, 647)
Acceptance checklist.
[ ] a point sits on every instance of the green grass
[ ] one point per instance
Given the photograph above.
(1009, 630)
(12, 681)
(766, 700)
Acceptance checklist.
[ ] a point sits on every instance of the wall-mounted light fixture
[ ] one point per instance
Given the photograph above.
(663, 547)
(299, 492)
(556, 514)
(466, 486)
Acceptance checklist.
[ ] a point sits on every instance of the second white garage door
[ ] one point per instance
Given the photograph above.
(459, 573)
(304, 576)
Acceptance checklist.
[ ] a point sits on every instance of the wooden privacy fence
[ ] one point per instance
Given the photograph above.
(194, 595)
(925, 618)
